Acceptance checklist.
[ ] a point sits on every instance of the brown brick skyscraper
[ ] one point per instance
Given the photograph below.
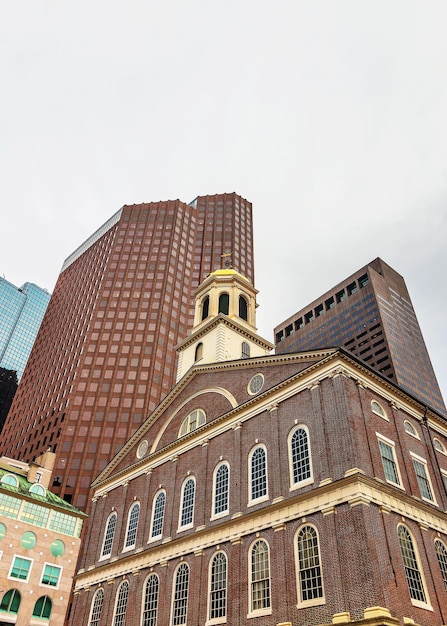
(104, 356)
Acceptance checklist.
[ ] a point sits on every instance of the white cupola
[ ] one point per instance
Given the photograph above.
(224, 323)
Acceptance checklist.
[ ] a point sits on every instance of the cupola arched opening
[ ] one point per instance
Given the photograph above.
(224, 303)
(243, 308)
(205, 307)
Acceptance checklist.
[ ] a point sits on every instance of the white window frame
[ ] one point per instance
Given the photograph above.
(126, 547)
(380, 411)
(314, 601)
(19, 556)
(115, 607)
(45, 585)
(143, 605)
(439, 446)
(182, 527)
(154, 501)
(252, 612)
(423, 462)
(310, 479)
(419, 603)
(174, 596)
(252, 501)
(392, 445)
(410, 429)
(92, 607)
(103, 556)
(222, 513)
(222, 619)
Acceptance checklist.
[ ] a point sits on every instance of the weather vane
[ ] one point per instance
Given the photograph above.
(226, 260)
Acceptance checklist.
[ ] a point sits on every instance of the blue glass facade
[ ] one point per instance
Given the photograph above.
(21, 313)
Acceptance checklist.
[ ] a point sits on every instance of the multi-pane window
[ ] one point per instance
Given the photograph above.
(158, 513)
(20, 568)
(258, 473)
(441, 553)
(108, 536)
(132, 525)
(420, 469)
(180, 599)
(11, 601)
(150, 608)
(51, 575)
(187, 508)
(121, 604)
(43, 607)
(309, 566)
(193, 420)
(260, 576)
(218, 587)
(98, 601)
(389, 462)
(245, 350)
(412, 571)
(221, 488)
(300, 456)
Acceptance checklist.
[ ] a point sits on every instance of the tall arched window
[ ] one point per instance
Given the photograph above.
(108, 536)
(218, 587)
(243, 308)
(132, 526)
(258, 473)
(158, 513)
(121, 604)
(259, 576)
(245, 350)
(300, 467)
(187, 506)
(411, 564)
(180, 596)
(310, 581)
(43, 607)
(441, 553)
(11, 601)
(205, 307)
(96, 610)
(150, 607)
(221, 489)
(224, 303)
(198, 352)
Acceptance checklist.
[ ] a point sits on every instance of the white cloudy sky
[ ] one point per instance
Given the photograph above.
(330, 116)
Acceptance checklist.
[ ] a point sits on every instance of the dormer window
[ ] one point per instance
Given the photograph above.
(37, 489)
(243, 308)
(205, 307)
(224, 303)
(10, 479)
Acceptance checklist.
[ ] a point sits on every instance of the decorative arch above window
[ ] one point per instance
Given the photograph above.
(243, 308)
(193, 420)
(199, 352)
(245, 350)
(410, 429)
(378, 409)
(10, 479)
(224, 303)
(205, 307)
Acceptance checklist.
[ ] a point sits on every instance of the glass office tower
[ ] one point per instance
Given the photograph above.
(105, 354)
(21, 313)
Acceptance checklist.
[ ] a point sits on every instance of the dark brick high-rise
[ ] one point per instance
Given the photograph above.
(371, 315)
(104, 356)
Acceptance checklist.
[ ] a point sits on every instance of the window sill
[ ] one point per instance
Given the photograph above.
(259, 613)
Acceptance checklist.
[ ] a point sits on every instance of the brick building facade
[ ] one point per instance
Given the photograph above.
(289, 489)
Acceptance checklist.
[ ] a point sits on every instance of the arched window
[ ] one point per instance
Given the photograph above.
(180, 596)
(310, 581)
(122, 595)
(205, 307)
(96, 610)
(193, 420)
(11, 601)
(221, 489)
(441, 553)
(150, 606)
(199, 352)
(439, 446)
(132, 525)
(300, 466)
(378, 409)
(187, 506)
(38, 489)
(43, 608)
(218, 587)
(108, 536)
(410, 429)
(258, 473)
(243, 308)
(411, 565)
(10, 479)
(259, 576)
(245, 350)
(158, 513)
(224, 303)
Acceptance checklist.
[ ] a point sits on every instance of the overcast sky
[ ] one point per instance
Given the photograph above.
(329, 116)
